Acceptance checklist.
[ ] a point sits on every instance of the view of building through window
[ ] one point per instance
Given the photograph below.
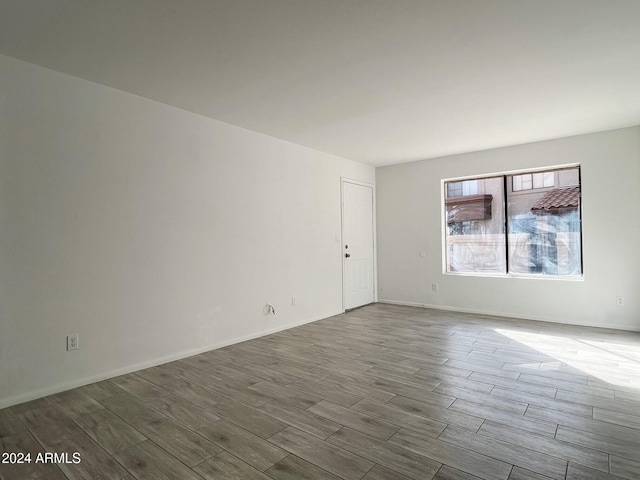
(528, 223)
(465, 187)
(528, 181)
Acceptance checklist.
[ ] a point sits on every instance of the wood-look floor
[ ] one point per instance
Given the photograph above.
(382, 392)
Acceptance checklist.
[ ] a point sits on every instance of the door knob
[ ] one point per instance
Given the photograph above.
(347, 255)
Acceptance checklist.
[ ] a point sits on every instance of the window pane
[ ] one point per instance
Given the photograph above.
(544, 227)
(475, 235)
(537, 180)
(517, 183)
(454, 189)
(470, 187)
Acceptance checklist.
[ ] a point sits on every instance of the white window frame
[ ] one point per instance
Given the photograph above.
(508, 274)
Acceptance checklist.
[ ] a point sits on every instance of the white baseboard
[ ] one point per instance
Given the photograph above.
(61, 387)
(506, 315)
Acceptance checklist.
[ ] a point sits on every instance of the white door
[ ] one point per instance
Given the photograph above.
(357, 245)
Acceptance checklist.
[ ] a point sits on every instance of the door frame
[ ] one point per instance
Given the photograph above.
(344, 180)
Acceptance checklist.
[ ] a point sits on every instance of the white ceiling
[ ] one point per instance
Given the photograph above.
(378, 81)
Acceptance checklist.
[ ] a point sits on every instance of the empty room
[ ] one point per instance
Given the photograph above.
(319, 239)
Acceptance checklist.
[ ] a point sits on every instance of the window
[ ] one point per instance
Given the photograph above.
(529, 181)
(527, 224)
(459, 189)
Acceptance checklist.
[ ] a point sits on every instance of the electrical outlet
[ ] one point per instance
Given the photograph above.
(435, 287)
(619, 301)
(72, 342)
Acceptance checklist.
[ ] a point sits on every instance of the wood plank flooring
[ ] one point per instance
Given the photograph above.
(381, 392)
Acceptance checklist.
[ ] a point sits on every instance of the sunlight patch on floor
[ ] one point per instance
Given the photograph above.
(614, 363)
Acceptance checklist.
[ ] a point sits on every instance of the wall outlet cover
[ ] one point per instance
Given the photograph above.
(73, 342)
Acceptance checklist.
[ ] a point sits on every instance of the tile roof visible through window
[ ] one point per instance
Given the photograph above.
(558, 199)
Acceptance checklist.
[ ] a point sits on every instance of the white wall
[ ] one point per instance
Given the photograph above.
(152, 232)
(409, 221)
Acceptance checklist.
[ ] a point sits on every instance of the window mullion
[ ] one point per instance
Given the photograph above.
(506, 224)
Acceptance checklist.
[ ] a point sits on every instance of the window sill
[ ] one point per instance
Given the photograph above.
(522, 276)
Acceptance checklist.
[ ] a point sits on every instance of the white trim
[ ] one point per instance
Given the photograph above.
(528, 276)
(443, 227)
(35, 394)
(481, 176)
